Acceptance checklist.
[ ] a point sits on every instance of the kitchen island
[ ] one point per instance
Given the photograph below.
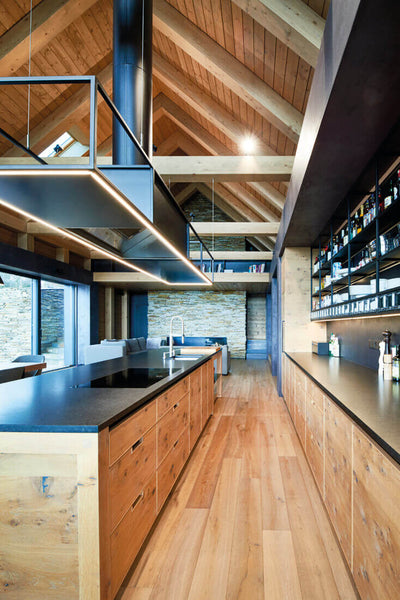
(84, 471)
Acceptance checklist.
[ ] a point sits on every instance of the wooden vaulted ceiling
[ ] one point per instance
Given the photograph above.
(197, 110)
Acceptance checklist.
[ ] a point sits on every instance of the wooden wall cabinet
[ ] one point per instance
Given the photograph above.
(74, 516)
(358, 482)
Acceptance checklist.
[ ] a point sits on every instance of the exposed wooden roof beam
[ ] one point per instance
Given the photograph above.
(185, 194)
(235, 255)
(71, 111)
(168, 107)
(189, 92)
(230, 71)
(224, 168)
(49, 18)
(130, 277)
(292, 22)
(235, 229)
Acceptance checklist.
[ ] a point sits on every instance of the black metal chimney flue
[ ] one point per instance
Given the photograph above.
(132, 78)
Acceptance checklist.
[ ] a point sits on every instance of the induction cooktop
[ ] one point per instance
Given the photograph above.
(133, 377)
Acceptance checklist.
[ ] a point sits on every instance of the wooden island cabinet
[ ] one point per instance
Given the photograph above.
(358, 482)
(76, 507)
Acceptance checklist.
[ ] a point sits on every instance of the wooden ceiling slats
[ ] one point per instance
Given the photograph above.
(238, 33)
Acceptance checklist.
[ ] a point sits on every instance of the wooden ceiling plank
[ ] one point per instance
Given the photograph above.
(228, 69)
(291, 21)
(72, 110)
(224, 168)
(180, 85)
(49, 18)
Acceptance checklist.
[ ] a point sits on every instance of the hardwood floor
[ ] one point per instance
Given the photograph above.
(245, 520)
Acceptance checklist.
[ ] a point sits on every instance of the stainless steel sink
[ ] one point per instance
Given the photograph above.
(187, 356)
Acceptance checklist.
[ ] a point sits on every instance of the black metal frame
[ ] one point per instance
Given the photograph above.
(95, 88)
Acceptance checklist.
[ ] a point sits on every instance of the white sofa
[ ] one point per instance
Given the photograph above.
(98, 352)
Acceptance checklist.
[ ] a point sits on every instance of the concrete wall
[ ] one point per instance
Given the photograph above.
(205, 313)
(298, 330)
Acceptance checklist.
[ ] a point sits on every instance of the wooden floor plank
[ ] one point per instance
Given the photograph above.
(280, 571)
(245, 578)
(203, 490)
(315, 572)
(211, 574)
(176, 573)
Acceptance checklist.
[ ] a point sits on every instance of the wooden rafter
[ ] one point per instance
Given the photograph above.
(165, 106)
(224, 168)
(183, 88)
(49, 18)
(291, 21)
(230, 71)
(235, 255)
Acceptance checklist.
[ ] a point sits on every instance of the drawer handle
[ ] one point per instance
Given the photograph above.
(138, 499)
(176, 406)
(136, 444)
(174, 446)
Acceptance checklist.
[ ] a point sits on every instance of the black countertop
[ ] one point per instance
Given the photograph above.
(49, 402)
(372, 402)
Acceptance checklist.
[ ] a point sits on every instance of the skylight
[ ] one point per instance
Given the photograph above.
(60, 144)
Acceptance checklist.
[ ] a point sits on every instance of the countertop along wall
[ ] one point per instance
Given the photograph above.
(205, 313)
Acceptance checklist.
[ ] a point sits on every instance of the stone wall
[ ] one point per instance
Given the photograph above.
(199, 208)
(256, 316)
(205, 314)
(15, 322)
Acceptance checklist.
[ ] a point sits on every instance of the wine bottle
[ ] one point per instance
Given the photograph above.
(396, 365)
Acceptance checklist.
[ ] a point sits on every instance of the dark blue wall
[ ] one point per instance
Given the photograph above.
(354, 335)
(139, 315)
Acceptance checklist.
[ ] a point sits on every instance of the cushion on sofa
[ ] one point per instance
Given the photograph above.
(142, 343)
(133, 345)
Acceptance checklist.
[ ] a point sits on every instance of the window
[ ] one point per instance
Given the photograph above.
(37, 317)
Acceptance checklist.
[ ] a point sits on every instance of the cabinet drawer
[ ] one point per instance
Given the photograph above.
(171, 397)
(169, 470)
(129, 474)
(130, 534)
(195, 406)
(171, 427)
(124, 435)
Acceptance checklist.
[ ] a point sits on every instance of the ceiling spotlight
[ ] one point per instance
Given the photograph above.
(248, 144)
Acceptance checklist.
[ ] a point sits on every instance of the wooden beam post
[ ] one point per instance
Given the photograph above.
(109, 310)
(224, 168)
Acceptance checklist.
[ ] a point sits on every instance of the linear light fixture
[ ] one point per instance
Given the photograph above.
(79, 240)
(123, 202)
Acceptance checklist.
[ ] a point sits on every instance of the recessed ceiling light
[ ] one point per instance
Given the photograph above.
(248, 144)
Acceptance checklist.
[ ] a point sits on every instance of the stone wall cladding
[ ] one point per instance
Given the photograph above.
(16, 317)
(205, 314)
(15, 322)
(199, 208)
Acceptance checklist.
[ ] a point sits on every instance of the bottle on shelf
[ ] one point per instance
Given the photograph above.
(396, 365)
(389, 198)
(387, 356)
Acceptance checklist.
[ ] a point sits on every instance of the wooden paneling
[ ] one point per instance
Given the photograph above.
(338, 453)
(300, 405)
(376, 480)
(195, 406)
(167, 400)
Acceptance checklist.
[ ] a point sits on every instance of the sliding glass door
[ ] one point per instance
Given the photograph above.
(57, 324)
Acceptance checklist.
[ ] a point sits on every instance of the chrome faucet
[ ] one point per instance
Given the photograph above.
(171, 352)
